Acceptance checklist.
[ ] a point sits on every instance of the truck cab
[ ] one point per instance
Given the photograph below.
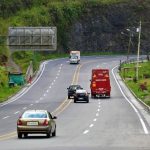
(74, 57)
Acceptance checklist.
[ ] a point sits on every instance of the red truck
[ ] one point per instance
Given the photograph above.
(100, 83)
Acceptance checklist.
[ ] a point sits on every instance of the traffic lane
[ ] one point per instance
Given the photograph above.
(77, 140)
(70, 125)
(51, 99)
(121, 111)
(37, 89)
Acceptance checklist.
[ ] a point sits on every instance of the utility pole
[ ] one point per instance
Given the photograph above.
(129, 46)
(138, 52)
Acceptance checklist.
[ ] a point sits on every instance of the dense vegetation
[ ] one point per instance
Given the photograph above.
(141, 87)
(60, 13)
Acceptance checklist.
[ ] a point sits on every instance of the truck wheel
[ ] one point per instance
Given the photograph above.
(92, 95)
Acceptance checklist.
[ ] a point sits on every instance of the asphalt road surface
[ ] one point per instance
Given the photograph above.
(101, 124)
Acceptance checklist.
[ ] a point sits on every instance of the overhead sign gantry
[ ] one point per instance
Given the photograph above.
(32, 38)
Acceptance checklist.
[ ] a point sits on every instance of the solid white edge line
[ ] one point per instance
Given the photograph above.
(139, 116)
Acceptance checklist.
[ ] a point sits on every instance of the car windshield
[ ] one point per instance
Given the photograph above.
(74, 57)
(34, 115)
(74, 87)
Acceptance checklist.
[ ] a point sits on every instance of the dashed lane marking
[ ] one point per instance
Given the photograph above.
(17, 112)
(6, 117)
(91, 125)
(94, 119)
(86, 131)
(97, 114)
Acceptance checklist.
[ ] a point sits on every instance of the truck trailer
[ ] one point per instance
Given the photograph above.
(100, 83)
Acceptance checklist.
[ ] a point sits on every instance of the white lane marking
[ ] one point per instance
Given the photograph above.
(56, 77)
(50, 87)
(59, 70)
(16, 112)
(98, 109)
(58, 74)
(47, 91)
(37, 102)
(61, 64)
(31, 104)
(97, 114)
(54, 80)
(99, 102)
(99, 106)
(26, 89)
(24, 107)
(91, 125)
(41, 98)
(6, 117)
(138, 114)
(86, 131)
(95, 119)
(44, 95)
(52, 83)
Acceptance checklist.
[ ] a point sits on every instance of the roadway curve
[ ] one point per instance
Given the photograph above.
(102, 124)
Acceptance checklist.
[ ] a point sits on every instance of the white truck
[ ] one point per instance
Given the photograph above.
(74, 57)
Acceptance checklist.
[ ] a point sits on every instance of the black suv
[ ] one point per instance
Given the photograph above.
(81, 95)
(72, 89)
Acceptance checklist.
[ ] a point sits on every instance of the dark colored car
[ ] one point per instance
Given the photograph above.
(72, 89)
(81, 95)
(36, 122)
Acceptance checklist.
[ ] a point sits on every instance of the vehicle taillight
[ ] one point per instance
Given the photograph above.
(19, 122)
(93, 84)
(45, 123)
(94, 76)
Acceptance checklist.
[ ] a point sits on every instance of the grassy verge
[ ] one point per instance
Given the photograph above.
(141, 88)
(6, 92)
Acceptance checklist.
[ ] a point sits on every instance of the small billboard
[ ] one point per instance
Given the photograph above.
(32, 38)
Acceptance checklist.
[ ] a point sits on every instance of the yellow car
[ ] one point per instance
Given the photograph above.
(36, 122)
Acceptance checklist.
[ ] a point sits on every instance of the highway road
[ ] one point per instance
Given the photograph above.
(102, 124)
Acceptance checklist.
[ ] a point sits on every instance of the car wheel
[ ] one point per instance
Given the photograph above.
(54, 133)
(68, 96)
(75, 100)
(19, 135)
(25, 135)
(87, 101)
(48, 134)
